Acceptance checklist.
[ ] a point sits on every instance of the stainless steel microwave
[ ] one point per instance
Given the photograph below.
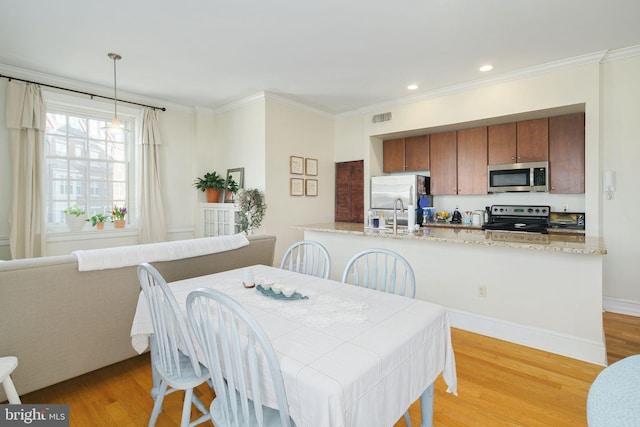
(519, 177)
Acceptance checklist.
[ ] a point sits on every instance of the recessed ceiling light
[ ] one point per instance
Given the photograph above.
(486, 67)
(412, 87)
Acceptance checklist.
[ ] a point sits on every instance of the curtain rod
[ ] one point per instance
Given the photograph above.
(92, 95)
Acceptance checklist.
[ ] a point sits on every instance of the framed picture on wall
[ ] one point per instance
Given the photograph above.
(296, 187)
(311, 187)
(296, 165)
(311, 166)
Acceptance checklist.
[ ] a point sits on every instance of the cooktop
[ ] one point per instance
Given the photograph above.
(523, 218)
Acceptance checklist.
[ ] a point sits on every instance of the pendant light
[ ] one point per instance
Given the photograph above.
(115, 127)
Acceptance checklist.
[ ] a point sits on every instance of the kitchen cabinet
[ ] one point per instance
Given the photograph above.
(444, 163)
(566, 154)
(472, 161)
(524, 141)
(459, 162)
(218, 219)
(406, 154)
(349, 201)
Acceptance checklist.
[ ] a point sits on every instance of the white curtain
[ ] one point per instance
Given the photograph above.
(152, 227)
(26, 121)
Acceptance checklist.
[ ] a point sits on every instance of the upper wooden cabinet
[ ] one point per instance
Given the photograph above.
(533, 140)
(525, 141)
(566, 154)
(472, 161)
(502, 144)
(444, 163)
(406, 154)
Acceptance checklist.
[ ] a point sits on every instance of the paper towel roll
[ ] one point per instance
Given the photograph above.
(412, 217)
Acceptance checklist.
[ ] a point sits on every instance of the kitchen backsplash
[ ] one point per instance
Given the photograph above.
(558, 202)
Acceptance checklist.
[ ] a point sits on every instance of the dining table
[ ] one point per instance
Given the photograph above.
(349, 355)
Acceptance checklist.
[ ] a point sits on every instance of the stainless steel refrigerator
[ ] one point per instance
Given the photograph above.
(412, 189)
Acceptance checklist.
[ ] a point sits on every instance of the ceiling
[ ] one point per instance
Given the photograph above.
(337, 56)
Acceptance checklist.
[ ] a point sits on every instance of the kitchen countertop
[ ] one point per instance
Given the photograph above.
(564, 241)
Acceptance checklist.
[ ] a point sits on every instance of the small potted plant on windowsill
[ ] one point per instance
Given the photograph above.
(98, 221)
(75, 218)
(211, 183)
(117, 216)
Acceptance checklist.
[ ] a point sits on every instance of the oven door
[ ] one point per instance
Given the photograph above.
(518, 177)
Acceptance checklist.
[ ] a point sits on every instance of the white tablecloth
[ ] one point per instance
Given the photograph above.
(349, 356)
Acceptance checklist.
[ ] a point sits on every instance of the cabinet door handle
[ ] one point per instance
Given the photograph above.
(513, 157)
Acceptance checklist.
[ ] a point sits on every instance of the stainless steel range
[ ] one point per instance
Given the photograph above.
(523, 218)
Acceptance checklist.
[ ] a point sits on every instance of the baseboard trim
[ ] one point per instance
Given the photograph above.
(622, 306)
(541, 339)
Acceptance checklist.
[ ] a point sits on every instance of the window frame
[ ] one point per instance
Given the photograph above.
(100, 109)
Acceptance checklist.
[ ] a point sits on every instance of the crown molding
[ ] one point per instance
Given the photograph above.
(240, 103)
(624, 53)
(275, 98)
(282, 100)
(36, 76)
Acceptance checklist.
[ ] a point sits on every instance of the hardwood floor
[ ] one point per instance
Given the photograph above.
(499, 384)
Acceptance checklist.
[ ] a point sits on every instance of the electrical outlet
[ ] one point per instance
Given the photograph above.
(566, 208)
(482, 291)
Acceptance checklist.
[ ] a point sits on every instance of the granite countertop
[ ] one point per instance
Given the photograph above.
(575, 243)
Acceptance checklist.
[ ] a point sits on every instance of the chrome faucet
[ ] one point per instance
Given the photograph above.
(395, 214)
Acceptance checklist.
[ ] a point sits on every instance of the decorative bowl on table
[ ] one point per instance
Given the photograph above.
(284, 293)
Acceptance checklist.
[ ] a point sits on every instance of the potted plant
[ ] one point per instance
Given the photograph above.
(98, 221)
(75, 218)
(211, 183)
(117, 216)
(252, 209)
(231, 189)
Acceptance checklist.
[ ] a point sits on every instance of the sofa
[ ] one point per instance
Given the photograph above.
(61, 322)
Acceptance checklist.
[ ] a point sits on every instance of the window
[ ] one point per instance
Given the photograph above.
(86, 165)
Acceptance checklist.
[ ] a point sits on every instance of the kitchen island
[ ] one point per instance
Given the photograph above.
(543, 291)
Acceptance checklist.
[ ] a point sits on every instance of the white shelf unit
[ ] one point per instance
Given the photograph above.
(218, 219)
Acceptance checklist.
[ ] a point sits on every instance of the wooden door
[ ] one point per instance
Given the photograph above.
(442, 154)
(533, 140)
(349, 201)
(416, 153)
(393, 159)
(566, 154)
(472, 161)
(502, 144)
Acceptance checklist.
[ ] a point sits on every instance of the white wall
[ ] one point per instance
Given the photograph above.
(621, 153)
(5, 175)
(294, 131)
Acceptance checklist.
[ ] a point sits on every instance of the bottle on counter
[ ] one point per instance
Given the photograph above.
(487, 214)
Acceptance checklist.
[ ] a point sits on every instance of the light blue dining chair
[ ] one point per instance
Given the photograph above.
(173, 355)
(239, 356)
(307, 257)
(382, 270)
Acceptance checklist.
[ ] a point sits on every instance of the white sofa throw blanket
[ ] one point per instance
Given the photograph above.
(123, 256)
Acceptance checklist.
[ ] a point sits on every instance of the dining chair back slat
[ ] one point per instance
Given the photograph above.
(240, 357)
(173, 353)
(307, 257)
(382, 270)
